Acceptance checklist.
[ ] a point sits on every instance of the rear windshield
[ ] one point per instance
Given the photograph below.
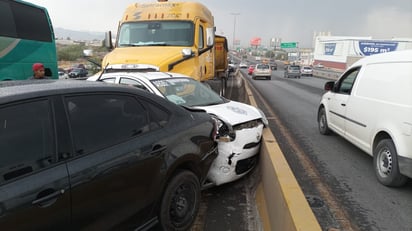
(262, 66)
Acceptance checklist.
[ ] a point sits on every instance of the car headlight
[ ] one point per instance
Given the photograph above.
(264, 119)
(225, 132)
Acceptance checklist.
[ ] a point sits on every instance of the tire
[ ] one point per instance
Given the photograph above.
(385, 161)
(269, 78)
(180, 202)
(323, 122)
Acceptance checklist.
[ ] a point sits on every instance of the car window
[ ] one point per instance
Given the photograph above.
(187, 92)
(109, 80)
(132, 82)
(159, 117)
(26, 138)
(263, 66)
(100, 121)
(346, 82)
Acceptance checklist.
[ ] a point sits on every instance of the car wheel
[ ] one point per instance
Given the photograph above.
(269, 78)
(323, 122)
(180, 202)
(385, 160)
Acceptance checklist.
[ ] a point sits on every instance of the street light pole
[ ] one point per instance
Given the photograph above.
(234, 29)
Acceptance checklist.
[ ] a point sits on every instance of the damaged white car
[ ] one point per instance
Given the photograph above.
(240, 125)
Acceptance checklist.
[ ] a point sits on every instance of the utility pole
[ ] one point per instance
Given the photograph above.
(234, 29)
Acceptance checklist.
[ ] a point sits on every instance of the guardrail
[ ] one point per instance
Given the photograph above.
(327, 73)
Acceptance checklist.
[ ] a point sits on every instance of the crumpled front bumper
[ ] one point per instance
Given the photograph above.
(236, 158)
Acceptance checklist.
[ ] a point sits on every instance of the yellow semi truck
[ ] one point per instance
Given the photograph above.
(170, 37)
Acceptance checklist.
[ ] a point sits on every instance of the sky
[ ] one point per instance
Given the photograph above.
(288, 20)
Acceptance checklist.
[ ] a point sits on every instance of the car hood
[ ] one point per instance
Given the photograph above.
(233, 112)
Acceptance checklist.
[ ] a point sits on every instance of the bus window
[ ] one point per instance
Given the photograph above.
(26, 37)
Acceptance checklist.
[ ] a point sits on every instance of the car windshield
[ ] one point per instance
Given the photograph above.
(156, 33)
(262, 66)
(187, 92)
(294, 67)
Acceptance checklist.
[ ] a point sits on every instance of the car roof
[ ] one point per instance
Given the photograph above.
(151, 75)
(27, 89)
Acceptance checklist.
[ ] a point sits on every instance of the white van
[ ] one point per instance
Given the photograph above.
(370, 105)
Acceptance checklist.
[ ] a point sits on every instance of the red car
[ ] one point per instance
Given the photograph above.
(250, 69)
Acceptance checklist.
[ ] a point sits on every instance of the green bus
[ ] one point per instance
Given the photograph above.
(26, 37)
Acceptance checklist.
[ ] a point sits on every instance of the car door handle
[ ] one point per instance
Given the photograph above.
(49, 199)
(157, 149)
(343, 104)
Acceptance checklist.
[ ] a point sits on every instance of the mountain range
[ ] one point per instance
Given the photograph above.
(61, 33)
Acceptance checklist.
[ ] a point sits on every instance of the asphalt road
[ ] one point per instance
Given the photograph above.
(337, 178)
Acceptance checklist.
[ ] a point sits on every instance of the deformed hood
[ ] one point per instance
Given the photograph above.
(233, 112)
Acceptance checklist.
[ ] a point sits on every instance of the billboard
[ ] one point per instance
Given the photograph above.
(330, 48)
(370, 47)
(255, 41)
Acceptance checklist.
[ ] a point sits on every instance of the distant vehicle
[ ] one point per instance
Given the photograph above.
(319, 65)
(240, 125)
(62, 74)
(79, 65)
(231, 66)
(26, 37)
(306, 70)
(242, 65)
(292, 71)
(77, 153)
(370, 105)
(262, 70)
(78, 72)
(250, 69)
(273, 65)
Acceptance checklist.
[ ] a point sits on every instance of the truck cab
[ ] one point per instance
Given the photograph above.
(172, 36)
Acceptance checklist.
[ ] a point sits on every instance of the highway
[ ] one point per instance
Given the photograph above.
(337, 178)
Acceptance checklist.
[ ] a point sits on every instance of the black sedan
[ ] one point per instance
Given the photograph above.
(81, 155)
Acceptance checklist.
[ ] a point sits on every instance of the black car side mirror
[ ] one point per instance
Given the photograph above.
(329, 85)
